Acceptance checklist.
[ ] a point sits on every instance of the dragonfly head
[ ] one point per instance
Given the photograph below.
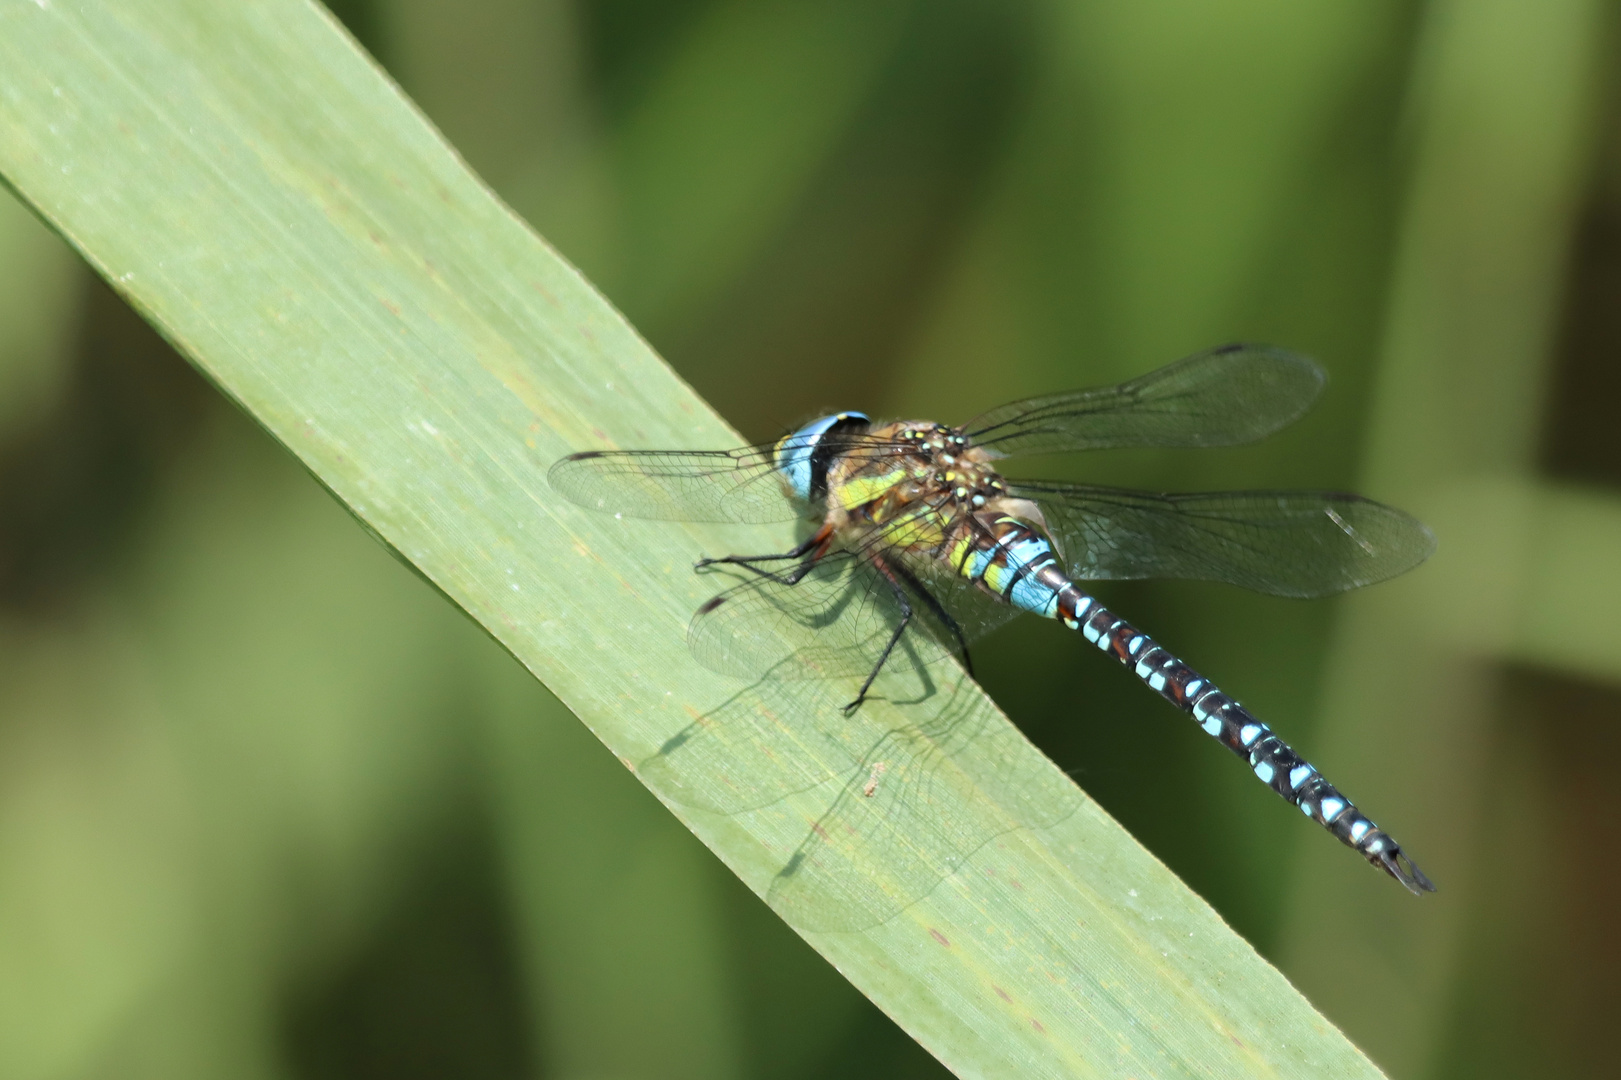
(803, 457)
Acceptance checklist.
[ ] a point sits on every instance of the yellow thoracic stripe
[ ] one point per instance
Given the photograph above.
(959, 555)
(864, 489)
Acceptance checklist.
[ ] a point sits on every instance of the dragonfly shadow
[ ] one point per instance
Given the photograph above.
(915, 803)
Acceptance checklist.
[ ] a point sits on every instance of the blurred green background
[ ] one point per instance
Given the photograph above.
(270, 808)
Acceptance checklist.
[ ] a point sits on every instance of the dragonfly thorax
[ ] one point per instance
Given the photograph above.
(954, 470)
(920, 482)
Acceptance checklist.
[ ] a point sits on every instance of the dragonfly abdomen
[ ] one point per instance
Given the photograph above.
(1273, 761)
(1013, 561)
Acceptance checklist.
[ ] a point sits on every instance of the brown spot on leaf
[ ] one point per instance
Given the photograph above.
(938, 936)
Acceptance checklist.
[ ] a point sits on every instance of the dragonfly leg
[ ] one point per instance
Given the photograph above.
(809, 547)
(746, 562)
(939, 612)
(894, 639)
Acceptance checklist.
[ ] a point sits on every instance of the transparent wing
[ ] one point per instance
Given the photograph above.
(1287, 543)
(1228, 395)
(739, 485)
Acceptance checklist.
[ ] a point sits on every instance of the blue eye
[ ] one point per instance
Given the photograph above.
(803, 457)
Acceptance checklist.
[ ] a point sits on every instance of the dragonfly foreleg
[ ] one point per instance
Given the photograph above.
(813, 547)
(894, 639)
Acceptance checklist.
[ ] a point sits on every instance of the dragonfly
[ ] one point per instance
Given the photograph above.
(918, 545)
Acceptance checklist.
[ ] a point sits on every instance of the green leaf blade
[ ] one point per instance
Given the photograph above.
(248, 179)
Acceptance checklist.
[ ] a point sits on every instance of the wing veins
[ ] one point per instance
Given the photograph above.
(1288, 543)
(1224, 396)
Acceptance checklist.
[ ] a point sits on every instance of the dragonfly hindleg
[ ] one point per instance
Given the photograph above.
(901, 624)
(939, 612)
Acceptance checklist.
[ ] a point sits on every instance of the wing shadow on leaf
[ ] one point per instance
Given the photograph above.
(915, 804)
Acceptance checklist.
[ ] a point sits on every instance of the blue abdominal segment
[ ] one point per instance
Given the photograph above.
(1031, 592)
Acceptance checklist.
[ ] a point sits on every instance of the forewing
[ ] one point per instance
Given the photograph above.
(1228, 395)
(739, 485)
(1287, 543)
